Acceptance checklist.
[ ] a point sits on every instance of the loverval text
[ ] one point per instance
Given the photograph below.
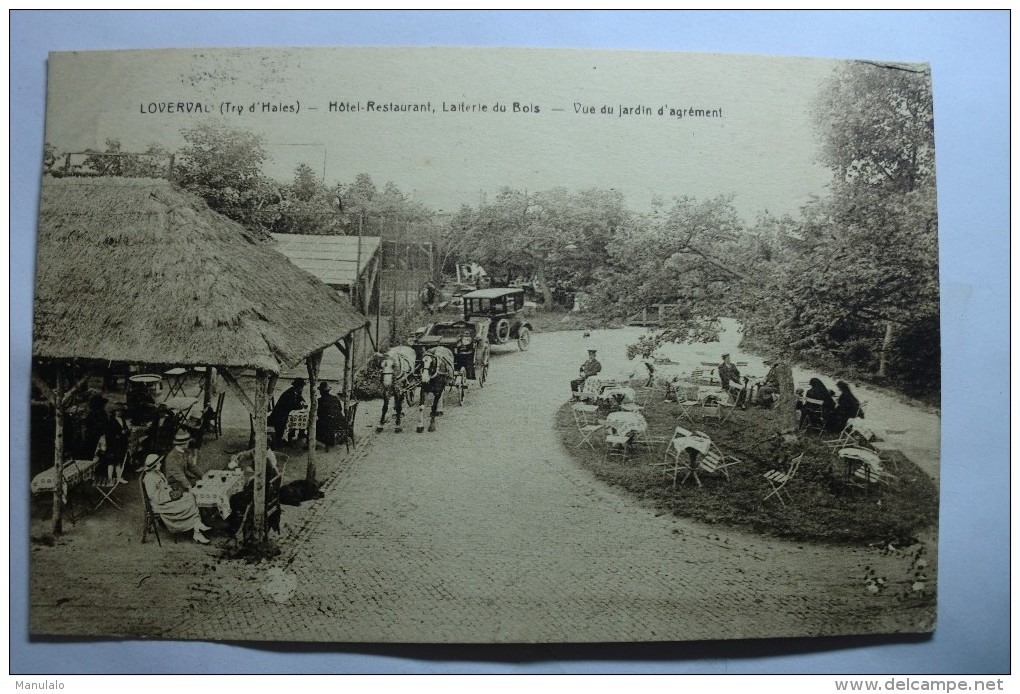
(224, 108)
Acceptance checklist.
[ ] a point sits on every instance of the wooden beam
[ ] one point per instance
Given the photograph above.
(232, 383)
(58, 454)
(313, 362)
(259, 406)
(42, 385)
(77, 386)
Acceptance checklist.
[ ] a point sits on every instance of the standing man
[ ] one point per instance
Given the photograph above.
(588, 368)
(291, 399)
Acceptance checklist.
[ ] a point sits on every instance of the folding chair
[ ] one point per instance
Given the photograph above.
(217, 422)
(151, 520)
(617, 445)
(710, 407)
(584, 420)
(812, 414)
(778, 480)
(678, 459)
(715, 461)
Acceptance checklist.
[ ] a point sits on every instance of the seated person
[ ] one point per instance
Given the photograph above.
(177, 509)
(768, 391)
(331, 420)
(847, 407)
(729, 380)
(818, 391)
(589, 368)
(141, 406)
(181, 471)
(239, 502)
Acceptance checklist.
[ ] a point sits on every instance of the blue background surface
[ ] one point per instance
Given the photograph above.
(969, 54)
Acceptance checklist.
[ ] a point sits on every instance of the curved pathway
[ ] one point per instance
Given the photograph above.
(488, 531)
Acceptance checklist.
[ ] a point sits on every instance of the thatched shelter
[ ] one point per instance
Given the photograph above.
(137, 271)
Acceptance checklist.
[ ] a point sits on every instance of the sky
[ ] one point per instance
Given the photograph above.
(644, 123)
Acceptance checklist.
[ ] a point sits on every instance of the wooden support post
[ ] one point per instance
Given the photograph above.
(313, 362)
(259, 417)
(58, 454)
(207, 388)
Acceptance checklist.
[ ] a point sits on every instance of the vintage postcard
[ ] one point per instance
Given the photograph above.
(484, 346)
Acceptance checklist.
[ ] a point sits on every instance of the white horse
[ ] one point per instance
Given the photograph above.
(436, 373)
(397, 366)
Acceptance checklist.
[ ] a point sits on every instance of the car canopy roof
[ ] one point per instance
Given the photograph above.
(492, 293)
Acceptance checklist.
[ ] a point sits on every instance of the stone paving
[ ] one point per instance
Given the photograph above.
(488, 531)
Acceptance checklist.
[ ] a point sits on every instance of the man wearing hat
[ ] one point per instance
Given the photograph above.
(178, 510)
(766, 394)
(181, 471)
(290, 399)
(111, 451)
(729, 373)
(588, 368)
(331, 420)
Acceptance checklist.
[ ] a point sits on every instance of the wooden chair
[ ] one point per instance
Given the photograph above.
(812, 414)
(778, 480)
(585, 420)
(217, 422)
(151, 519)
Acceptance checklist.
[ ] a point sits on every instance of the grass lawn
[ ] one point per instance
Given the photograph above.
(823, 506)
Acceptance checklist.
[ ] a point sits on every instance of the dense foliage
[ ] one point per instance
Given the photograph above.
(850, 283)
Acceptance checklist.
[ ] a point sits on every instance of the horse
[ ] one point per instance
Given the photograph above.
(397, 366)
(436, 373)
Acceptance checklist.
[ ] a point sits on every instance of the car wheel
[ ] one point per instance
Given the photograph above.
(524, 339)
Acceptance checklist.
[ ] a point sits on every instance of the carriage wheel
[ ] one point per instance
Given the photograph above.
(523, 339)
(409, 397)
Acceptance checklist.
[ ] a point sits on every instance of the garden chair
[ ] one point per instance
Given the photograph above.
(617, 445)
(678, 458)
(585, 420)
(812, 415)
(217, 422)
(778, 480)
(715, 461)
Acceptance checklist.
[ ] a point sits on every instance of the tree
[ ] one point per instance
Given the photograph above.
(223, 165)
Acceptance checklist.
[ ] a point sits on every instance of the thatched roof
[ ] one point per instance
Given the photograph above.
(138, 271)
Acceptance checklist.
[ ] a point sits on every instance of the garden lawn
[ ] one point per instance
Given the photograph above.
(823, 507)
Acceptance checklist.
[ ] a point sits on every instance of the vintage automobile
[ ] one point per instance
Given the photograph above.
(468, 340)
(501, 311)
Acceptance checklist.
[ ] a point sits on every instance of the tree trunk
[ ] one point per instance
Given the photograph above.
(883, 356)
(787, 416)
(313, 362)
(546, 289)
(261, 378)
(58, 454)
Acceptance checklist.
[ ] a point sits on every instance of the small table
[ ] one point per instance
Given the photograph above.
(180, 405)
(626, 423)
(175, 378)
(215, 489)
(863, 460)
(75, 472)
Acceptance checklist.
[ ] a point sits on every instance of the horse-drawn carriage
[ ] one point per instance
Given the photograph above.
(469, 344)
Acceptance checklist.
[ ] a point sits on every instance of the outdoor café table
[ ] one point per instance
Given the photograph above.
(175, 379)
(75, 472)
(867, 461)
(180, 405)
(215, 489)
(626, 423)
(625, 393)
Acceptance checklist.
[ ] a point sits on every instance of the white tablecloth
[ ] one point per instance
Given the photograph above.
(627, 423)
(216, 488)
(75, 471)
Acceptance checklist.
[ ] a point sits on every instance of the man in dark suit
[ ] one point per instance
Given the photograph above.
(589, 368)
(290, 399)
